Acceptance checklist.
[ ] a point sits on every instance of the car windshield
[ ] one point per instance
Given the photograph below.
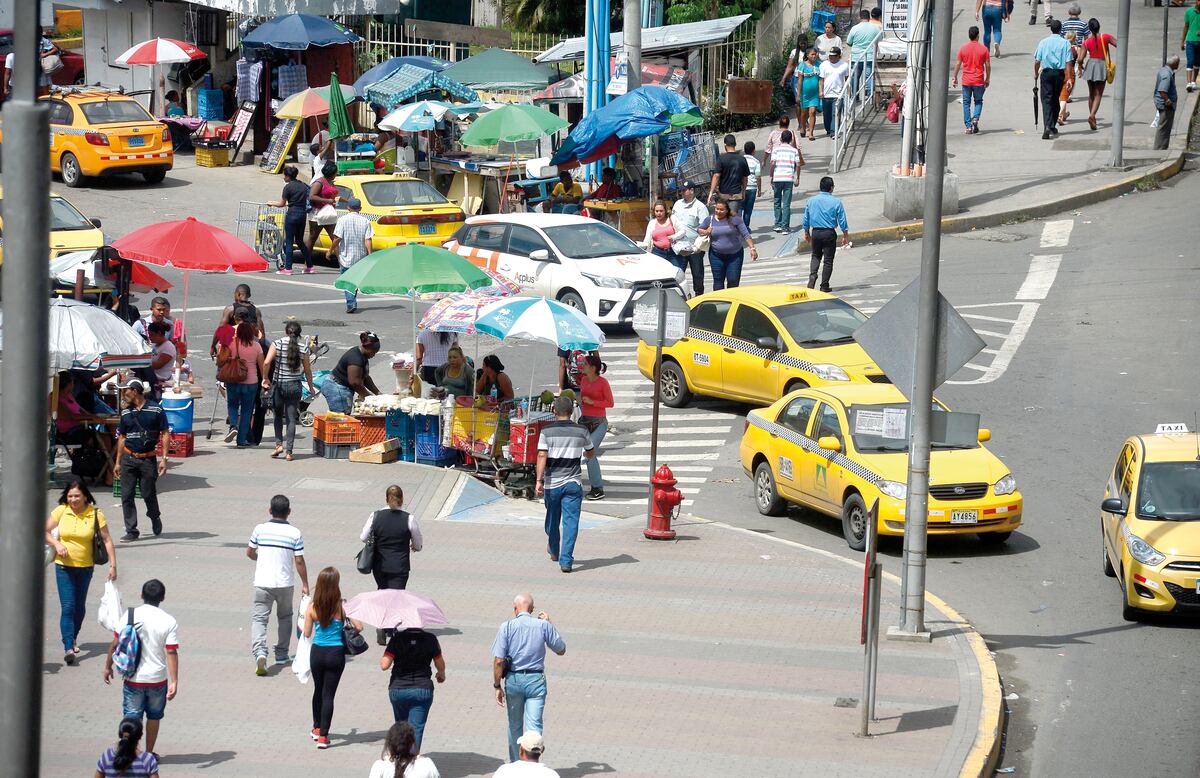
(396, 193)
(885, 428)
(63, 216)
(590, 240)
(1169, 491)
(114, 112)
(820, 322)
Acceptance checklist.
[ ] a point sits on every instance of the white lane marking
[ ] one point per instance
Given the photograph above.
(1042, 271)
(633, 372)
(629, 381)
(609, 478)
(991, 351)
(681, 417)
(981, 317)
(690, 430)
(1008, 348)
(1057, 234)
(646, 457)
(988, 333)
(706, 443)
(642, 468)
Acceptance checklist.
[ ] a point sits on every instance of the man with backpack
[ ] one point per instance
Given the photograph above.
(146, 654)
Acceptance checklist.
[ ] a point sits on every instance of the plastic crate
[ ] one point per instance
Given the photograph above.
(448, 459)
(398, 424)
(337, 428)
(181, 444)
(137, 488)
(215, 156)
(427, 451)
(210, 104)
(333, 450)
(819, 19)
(373, 430)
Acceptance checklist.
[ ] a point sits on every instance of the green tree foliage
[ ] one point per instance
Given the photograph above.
(682, 11)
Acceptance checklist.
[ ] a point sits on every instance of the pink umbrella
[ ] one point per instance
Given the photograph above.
(388, 608)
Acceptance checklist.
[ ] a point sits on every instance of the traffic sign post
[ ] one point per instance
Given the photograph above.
(869, 638)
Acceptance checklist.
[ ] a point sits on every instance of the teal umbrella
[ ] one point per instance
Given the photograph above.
(512, 123)
(339, 119)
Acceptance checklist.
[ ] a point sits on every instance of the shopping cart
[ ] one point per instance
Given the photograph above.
(261, 226)
(694, 162)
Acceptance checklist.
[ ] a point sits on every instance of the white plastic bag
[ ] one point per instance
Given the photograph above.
(111, 614)
(300, 664)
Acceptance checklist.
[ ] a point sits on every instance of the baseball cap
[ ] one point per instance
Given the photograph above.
(354, 203)
(690, 185)
(836, 50)
(135, 385)
(532, 742)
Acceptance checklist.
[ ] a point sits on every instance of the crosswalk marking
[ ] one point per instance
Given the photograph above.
(1056, 234)
(691, 430)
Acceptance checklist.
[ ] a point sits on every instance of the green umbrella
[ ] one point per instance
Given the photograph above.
(512, 123)
(339, 119)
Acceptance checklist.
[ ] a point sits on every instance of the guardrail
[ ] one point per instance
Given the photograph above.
(850, 108)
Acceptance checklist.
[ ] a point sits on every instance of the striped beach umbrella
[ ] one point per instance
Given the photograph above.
(160, 51)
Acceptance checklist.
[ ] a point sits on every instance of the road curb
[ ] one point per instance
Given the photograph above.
(984, 755)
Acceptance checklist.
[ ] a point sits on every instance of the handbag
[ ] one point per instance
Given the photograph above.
(365, 561)
(1109, 65)
(700, 244)
(893, 111)
(51, 64)
(99, 550)
(230, 368)
(325, 216)
(354, 641)
(267, 396)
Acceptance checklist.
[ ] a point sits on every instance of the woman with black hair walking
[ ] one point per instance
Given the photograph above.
(323, 623)
(295, 199)
(125, 759)
(287, 361)
(71, 531)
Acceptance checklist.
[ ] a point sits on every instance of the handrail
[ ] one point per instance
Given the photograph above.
(848, 109)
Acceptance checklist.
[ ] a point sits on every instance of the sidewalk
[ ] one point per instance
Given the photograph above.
(723, 648)
(1006, 171)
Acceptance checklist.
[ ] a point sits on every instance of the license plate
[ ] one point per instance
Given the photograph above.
(428, 228)
(1198, 586)
(964, 517)
(137, 140)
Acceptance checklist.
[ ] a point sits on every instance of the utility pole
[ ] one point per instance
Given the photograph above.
(1117, 159)
(916, 515)
(26, 370)
(1166, 27)
(632, 38)
(916, 83)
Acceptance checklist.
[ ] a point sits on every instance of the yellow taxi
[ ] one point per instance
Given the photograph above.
(836, 449)
(1150, 522)
(97, 131)
(756, 343)
(70, 230)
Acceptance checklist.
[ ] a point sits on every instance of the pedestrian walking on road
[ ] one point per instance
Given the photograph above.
(1072, 69)
(351, 242)
(729, 241)
(295, 199)
(751, 182)
(863, 40)
(71, 531)
(595, 395)
(408, 655)
(789, 81)
(125, 759)
(995, 14)
(1073, 24)
(397, 532)
(563, 443)
(776, 136)
(323, 197)
(530, 747)
(688, 211)
(351, 376)
(786, 161)
(729, 176)
(824, 215)
(810, 97)
(976, 67)
(833, 76)
(277, 549)
(1165, 99)
(661, 233)
(1050, 60)
(156, 680)
(288, 361)
(139, 432)
(519, 668)
(1191, 44)
(399, 758)
(323, 623)
(1099, 47)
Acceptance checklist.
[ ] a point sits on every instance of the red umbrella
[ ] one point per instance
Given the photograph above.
(160, 51)
(189, 245)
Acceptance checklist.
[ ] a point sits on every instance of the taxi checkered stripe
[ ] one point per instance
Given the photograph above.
(747, 348)
(810, 445)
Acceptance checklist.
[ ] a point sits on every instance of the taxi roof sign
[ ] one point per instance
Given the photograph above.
(1166, 429)
(797, 296)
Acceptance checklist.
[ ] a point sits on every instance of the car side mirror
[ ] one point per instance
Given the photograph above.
(829, 443)
(95, 223)
(541, 255)
(985, 435)
(767, 343)
(1113, 505)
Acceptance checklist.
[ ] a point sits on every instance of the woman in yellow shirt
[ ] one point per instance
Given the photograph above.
(70, 531)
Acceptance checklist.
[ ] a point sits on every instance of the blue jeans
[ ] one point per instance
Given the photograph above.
(340, 399)
(828, 114)
(412, 705)
(666, 254)
(103, 408)
(972, 94)
(73, 585)
(240, 402)
(595, 478)
(562, 507)
(993, 21)
(351, 297)
(726, 268)
(863, 70)
(783, 204)
(293, 235)
(748, 206)
(525, 696)
(148, 701)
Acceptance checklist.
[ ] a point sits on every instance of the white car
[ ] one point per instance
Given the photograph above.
(578, 261)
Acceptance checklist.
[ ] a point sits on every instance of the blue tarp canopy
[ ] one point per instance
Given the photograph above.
(299, 31)
(388, 68)
(646, 111)
(411, 81)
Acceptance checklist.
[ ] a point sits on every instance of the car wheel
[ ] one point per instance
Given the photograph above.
(793, 385)
(854, 522)
(766, 496)
(994, 538)
(1128, 612)
(672, 385)
(79, 79)
(72, 176)
(1107, 565)
(154, 176)
(572, 300)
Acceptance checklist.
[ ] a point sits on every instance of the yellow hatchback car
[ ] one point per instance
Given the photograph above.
(1150, 522)
(70, 230)
(836, 449)
(757, 343)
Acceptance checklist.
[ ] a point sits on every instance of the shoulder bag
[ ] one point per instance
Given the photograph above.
(352, 639)
(1109, 65)
(365, 561)
(267, 397)
(51, 64)
(99, 550)
(230, 367)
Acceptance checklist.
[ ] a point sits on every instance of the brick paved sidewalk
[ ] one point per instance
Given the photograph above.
(722, 653)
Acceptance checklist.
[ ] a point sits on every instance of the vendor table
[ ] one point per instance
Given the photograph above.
(471, 174)
(629, 216)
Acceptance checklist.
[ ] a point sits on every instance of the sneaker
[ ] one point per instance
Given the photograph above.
(351, 309)
(1053, 132)
(69, 657)
(596, 494)
(231, 435)
(777, 228)
(283, 659)
(566, 569)
(974, 125)
(316, 733)
(260, 666)
(322, 742)
(283, 272)
(1046, 135)
(128, 537)
(1191, 87)
(307, 271)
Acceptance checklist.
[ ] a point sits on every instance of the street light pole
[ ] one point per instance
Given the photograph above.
(26, 365)
(916, 515)
(1117, 158)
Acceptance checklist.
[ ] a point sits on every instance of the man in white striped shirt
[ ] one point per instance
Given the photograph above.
(275, 546)
(351, 242)
(786, 161)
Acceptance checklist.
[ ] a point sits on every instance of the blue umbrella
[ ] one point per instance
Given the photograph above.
(299, 31)
(385, 69)
(646, 111)
(539, 319)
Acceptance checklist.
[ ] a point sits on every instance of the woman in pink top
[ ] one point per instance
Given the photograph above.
(240, 396)
(661, 232)
(594, 396)
(1095, 69)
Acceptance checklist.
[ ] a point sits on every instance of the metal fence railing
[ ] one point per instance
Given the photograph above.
(853, 106)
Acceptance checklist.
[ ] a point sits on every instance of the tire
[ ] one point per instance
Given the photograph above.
(766, 496)
(1107, 565)
(994, 538)
(155, 176)
(793, 385)
(854, 522)
(72, 174)
(573, 300)
(672, 385)
(306, 419)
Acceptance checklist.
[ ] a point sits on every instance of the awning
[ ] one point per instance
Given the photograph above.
(410, 81)
(672, 37)
(497, 70)
(571, 89)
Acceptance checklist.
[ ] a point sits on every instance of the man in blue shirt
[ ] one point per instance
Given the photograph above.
(1165, 98)
(824, 215)
(1050, 60)
(519, 665)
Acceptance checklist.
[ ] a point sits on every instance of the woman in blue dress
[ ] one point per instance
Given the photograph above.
(809, 101)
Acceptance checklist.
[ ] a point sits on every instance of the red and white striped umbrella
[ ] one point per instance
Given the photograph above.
(160, 51)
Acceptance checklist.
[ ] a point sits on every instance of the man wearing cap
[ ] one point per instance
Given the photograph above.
(528, 765)
(351, 242)
(519, 668)
(689, 212)
(138, 435)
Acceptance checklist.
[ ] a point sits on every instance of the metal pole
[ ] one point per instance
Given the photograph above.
(658, 347)
(1118, 127)
(916, 517)
(633, 44)
(871, 632)
(914, 80)
(26, 365)
(1166, 28)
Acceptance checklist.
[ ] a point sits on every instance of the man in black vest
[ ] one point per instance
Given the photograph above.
(396, 533)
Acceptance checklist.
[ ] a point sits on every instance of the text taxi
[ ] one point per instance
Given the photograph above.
(756, 343)
(836, 449)
(1150, 522)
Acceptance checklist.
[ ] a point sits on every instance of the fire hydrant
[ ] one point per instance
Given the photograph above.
(663, 504)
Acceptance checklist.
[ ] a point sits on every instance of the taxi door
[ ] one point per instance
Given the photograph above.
(534, 276)
(483, 245)
(61, 116)
(821, 477)
(702, 359)
(787, 458)
(747, 372)
(1120, 484)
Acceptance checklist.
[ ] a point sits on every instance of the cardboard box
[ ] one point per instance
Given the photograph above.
(378, 454)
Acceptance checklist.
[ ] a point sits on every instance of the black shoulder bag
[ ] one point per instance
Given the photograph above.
(99, 550)
(365, 561)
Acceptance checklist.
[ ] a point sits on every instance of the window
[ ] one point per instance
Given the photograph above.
(63, 216)
(343, 192)
(828, 424)
(390, 193)
(591, 240)
(60, 112)
(1125, 484)
(485, 236)
(114, 112)
(711, 315)
(797, 413)
(523, 241)
(750, 324)
(1168, 491)
(819, 322)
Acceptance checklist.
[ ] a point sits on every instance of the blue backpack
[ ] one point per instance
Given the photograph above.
(128, 652)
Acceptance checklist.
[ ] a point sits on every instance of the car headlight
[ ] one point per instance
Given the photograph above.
(1140, 549)
(608, 282)
(830, 373)
(1006, 485)
(894, 489)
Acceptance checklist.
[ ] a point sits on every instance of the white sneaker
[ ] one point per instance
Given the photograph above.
(1191, 87)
